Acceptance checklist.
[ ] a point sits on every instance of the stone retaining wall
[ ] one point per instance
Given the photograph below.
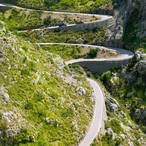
(102, 66)
(86, 26)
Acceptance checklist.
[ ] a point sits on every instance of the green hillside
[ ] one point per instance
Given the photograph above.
(79, 5)
(41, 102)
(86, 36)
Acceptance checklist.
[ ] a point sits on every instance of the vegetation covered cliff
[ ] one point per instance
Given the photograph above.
(135, 27)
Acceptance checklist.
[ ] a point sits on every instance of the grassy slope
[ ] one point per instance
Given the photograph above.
(23, 19)
(18, 19)
(72, 52)
(68, 52)
(51, 109)
(86, 36)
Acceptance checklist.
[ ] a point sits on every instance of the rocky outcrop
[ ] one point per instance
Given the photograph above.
(4, 95)
(81, 91)
(137, 71)
(12, 125)
(122, 136)
(109, 132)
(112, 104)
(141, 115)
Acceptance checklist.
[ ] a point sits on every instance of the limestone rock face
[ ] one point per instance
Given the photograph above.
(122, 15)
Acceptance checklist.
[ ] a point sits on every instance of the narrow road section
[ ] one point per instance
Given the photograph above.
(98, 118)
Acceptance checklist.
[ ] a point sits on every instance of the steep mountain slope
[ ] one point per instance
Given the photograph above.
(41, 99)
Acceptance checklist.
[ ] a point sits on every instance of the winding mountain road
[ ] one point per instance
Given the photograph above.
(102, 18)
(99, 109)
(123, 54)
(55, 12)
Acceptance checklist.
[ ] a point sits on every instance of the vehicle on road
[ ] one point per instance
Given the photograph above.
(30, 29)
(79, 22)
(62, 24)
(43, 27)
